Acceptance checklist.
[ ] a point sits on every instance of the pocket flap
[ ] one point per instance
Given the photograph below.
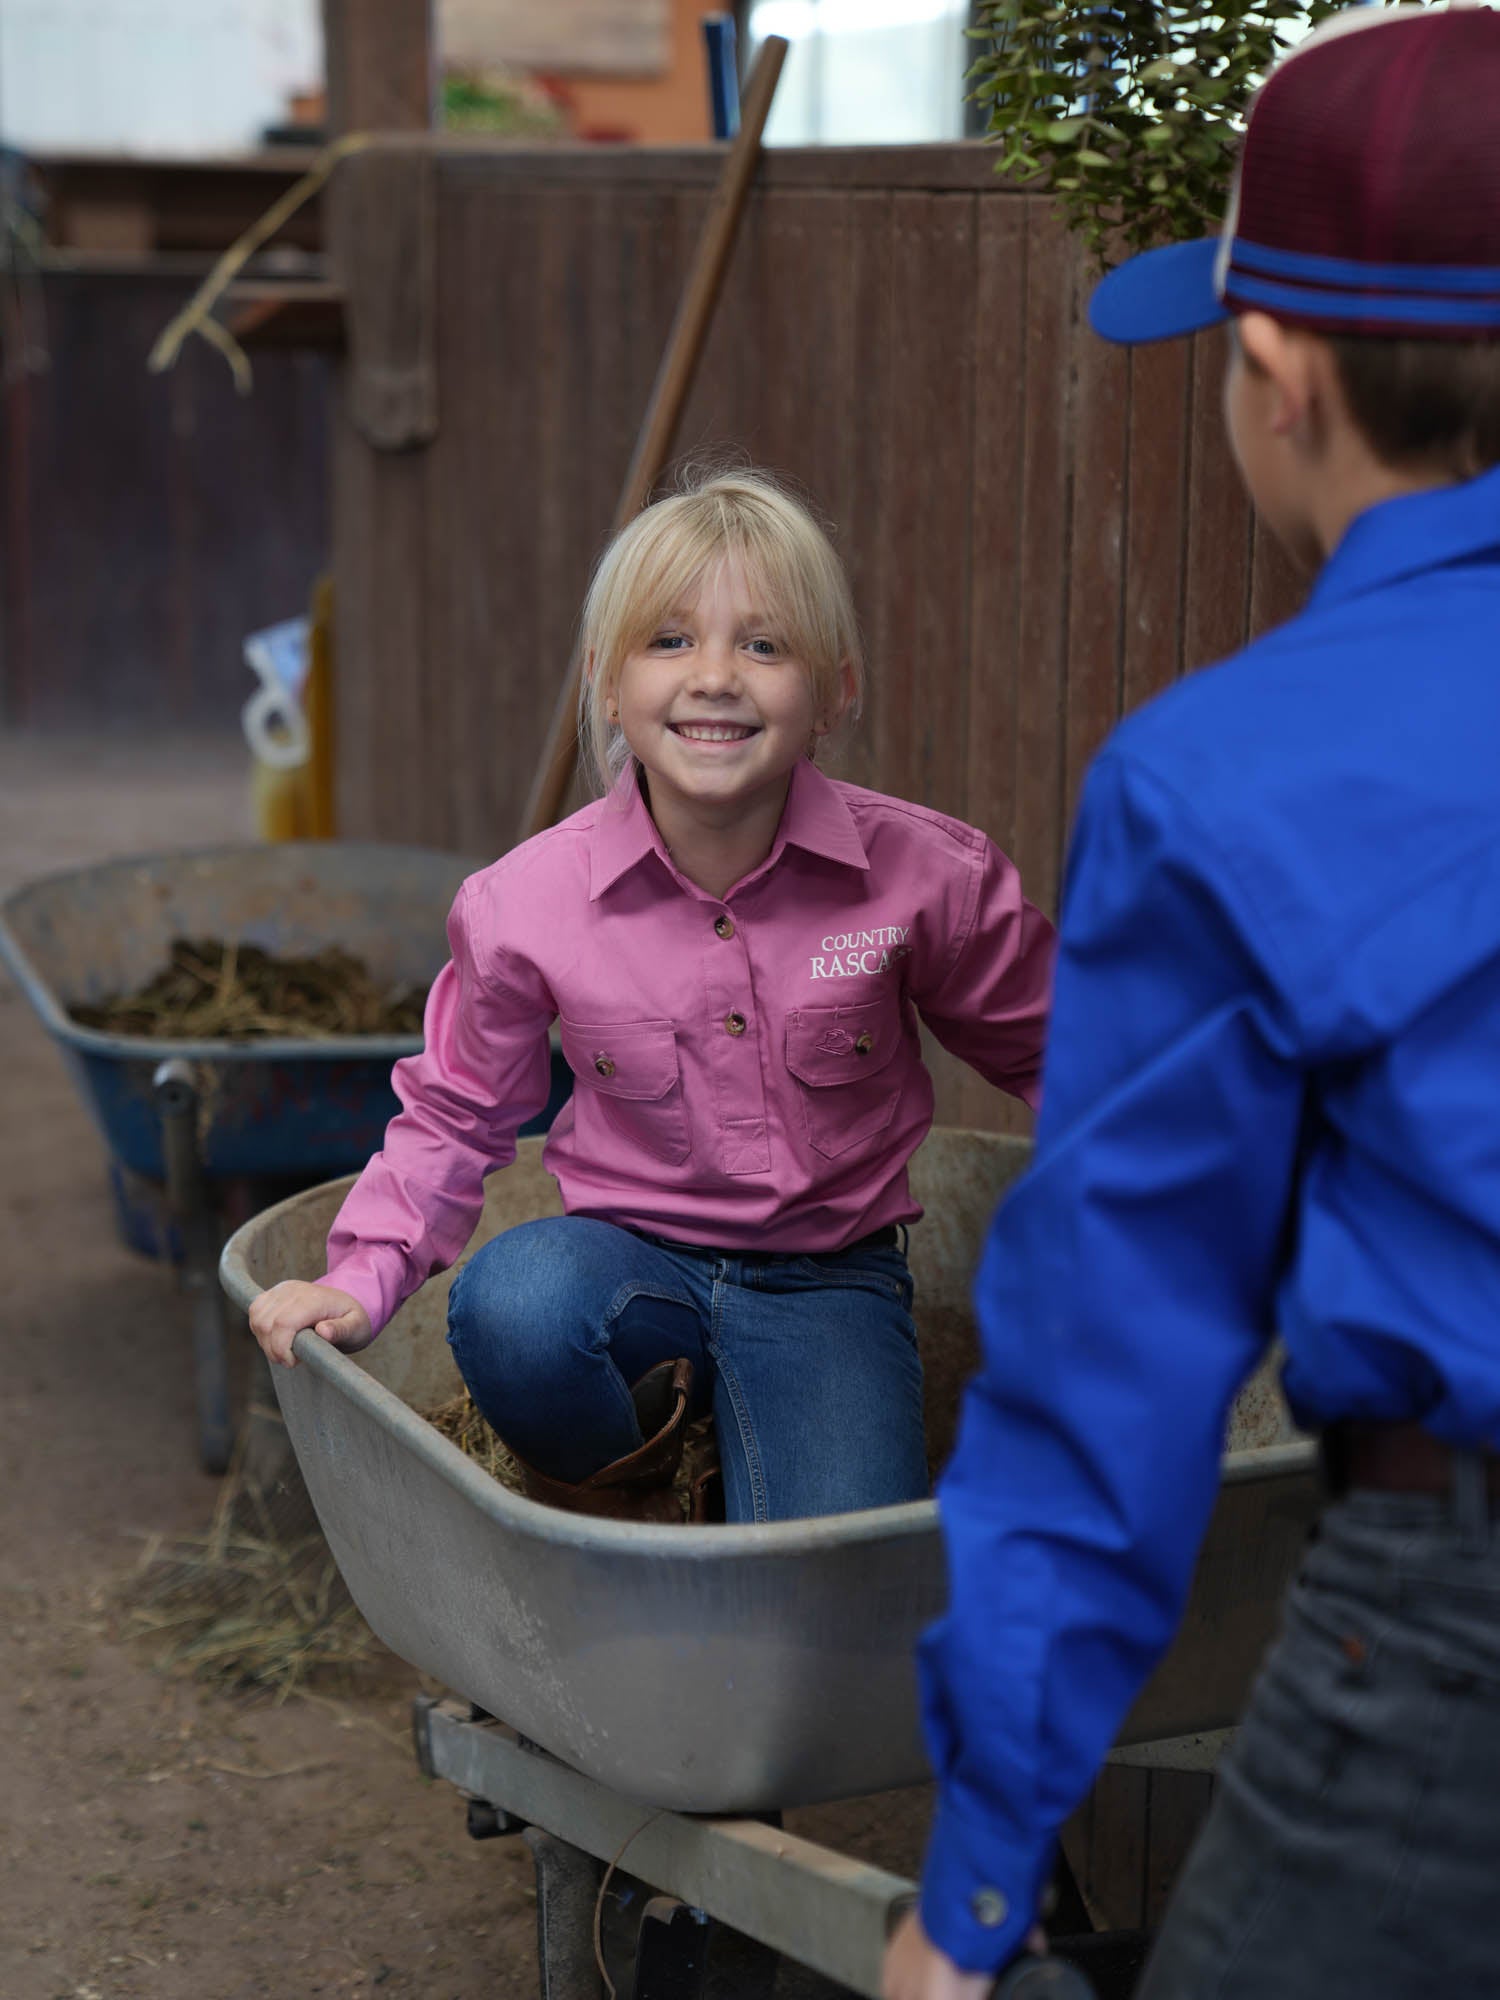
(833, 1045)
(622, 1058)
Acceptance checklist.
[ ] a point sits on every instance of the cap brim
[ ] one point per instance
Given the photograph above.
(1159, 295)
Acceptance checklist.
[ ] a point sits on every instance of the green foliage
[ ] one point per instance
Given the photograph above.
(1129, 112)
(510, 106)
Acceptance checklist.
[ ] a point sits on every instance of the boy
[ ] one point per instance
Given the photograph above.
(1272, 1102)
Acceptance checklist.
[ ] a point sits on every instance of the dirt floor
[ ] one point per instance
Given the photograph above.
(158, 1838)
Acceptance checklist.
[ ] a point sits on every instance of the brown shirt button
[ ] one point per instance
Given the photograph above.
(735, 1023)
(724, 926)
(604, 1065)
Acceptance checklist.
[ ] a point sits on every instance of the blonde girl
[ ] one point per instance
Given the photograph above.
(738, 951)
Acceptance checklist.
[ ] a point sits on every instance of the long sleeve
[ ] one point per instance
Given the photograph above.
(482, 1072)
(1125, 1292)
(990, 1006)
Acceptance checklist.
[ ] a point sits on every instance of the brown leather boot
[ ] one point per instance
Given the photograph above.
(640, 1486)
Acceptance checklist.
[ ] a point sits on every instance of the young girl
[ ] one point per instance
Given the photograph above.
(737, 951)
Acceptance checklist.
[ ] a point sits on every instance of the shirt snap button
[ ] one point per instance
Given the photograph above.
(724, 926)
(735, 1023)
(990, 1908)
(604, 1065)
(865, 1043)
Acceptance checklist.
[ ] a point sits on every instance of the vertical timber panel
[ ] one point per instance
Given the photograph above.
(725, 413)
(994, 533)
(385, 682)
(1096, 561)
(1051, 268)
(930, 425)
(1277, 586)
(1216, 603)
(1113, 1882)
(866, 539)
(930, 422)
(1179, 1805)
(1160, 393)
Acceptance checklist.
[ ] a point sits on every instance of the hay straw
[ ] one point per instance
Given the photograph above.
(258, 1602)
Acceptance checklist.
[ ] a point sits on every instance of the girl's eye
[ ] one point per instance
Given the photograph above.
(667, 642)
(766, 648)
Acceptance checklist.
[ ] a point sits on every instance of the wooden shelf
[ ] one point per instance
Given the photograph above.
(262, 312)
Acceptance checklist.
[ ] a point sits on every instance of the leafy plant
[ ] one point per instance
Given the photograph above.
(496, 102)
(1129, 112)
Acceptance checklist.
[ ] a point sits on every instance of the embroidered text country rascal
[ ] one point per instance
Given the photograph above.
(847, 954)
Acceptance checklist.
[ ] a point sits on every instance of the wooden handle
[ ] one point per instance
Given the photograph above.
(674, 380)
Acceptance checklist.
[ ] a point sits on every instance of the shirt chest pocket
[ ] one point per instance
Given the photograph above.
(629, 1082)
(842, 1058)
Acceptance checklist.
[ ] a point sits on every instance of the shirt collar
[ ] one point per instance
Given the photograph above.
(1419, 531)
(814, 818)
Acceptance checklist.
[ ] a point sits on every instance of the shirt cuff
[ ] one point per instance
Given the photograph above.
(980, 1895)
(361, 1284)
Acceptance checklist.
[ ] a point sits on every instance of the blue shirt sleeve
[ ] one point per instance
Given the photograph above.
(1125, 1292)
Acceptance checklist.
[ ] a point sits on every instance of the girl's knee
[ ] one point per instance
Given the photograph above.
(534, 1294)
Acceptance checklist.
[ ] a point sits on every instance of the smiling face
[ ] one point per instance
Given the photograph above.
(716, 707)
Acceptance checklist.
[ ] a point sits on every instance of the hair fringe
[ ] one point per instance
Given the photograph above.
(718, 503)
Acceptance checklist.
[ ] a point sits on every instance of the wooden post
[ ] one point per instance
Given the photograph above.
(380, 63)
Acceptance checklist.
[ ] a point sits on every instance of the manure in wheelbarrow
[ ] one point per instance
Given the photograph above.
(217, 990)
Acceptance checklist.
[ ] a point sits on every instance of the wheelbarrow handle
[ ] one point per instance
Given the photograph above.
(1031, 1978)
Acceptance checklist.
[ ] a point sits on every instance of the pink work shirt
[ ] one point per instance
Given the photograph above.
(748, 1073)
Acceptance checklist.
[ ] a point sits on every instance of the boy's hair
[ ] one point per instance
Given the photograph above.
(657, 563)
(1424, 402)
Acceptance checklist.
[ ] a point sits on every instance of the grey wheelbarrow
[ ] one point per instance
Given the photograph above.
(787, 1646)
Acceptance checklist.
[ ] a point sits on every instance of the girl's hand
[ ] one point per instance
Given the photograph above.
(279, 1315)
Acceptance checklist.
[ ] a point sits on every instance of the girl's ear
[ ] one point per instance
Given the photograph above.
(842, 702)
(590, 674)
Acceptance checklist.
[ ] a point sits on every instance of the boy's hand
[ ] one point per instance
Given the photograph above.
(279, 1315)
(915, 1969)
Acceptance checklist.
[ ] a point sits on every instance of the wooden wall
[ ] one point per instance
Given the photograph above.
(147, 523)
(1041, 531)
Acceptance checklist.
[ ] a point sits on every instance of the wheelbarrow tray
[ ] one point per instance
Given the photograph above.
(712, 1669)
(268, 1107)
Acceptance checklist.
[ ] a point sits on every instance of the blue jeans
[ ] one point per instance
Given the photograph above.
(1352, 1851)
(809, 1363)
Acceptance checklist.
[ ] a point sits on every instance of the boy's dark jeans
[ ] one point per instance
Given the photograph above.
(1353, 1847)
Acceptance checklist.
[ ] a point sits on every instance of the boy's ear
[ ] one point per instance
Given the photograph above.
(1284, 361)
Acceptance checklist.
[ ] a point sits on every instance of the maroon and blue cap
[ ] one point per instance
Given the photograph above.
(1367, 196)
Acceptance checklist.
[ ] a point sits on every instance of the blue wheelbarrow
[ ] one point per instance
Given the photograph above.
(203, 1118)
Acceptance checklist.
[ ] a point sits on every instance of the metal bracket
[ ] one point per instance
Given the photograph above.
(176, 1092)
(806, 1902)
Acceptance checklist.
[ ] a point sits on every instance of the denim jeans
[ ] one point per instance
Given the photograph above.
(1352, 1851)
(809, 1363)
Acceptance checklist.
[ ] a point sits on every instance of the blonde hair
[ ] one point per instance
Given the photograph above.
(659, 561)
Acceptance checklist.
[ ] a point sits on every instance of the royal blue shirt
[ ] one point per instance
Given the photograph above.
(1271, 1102)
